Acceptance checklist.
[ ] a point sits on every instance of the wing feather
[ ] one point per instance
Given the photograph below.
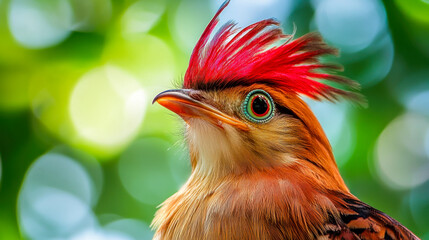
(358, 220)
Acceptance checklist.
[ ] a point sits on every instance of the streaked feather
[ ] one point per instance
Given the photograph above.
(361, 221)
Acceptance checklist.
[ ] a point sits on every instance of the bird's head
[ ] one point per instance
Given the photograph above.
(241, 100)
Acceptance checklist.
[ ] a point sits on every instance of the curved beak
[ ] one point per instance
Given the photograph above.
(180, 102)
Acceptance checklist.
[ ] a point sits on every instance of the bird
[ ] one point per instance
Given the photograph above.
(262, 166)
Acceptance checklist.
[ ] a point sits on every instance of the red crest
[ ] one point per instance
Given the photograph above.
(249, 55)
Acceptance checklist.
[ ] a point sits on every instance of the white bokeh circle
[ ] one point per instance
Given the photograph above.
(400, 156)
(107, 106)
(55, 198)
(40, 23)
(350, 25)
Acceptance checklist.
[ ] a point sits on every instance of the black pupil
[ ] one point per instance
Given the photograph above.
(259, 105)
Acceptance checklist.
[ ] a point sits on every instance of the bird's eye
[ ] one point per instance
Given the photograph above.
(258, 106)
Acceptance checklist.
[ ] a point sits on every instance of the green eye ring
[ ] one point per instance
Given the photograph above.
(258, 106)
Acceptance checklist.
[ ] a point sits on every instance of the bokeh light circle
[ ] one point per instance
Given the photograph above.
(141, 16)
(53, 212)
(61, 172)
(90, 164)
(55, 198)
(100, 234)
(418, 102)
(401, 159)
(107, 106)
(350, 25)
(40, 23)
(131, 227)
(144, 170)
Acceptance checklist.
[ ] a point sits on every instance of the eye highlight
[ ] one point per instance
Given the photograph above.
(258, 106)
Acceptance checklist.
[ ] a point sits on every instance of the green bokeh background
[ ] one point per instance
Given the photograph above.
(85, 155)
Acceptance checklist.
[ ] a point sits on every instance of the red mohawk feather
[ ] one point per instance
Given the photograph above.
(247, 56)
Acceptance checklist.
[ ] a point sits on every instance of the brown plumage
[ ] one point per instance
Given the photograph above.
(261, 168)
